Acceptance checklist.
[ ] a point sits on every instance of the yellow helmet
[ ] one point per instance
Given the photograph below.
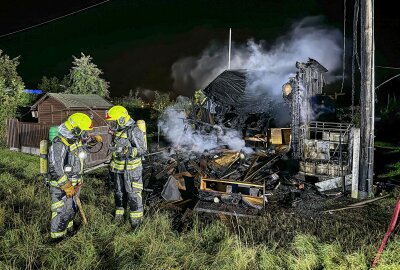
(119, 114)
(78, 122)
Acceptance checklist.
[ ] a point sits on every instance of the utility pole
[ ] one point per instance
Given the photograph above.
(229, 50)
(367, 97)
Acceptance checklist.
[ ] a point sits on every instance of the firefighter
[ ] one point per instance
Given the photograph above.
(66, 161)
(126, 165)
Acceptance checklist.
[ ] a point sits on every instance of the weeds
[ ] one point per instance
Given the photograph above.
(394, 171)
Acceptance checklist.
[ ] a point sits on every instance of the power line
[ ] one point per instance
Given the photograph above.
(55, 19)
(394, 77)
(387, 67)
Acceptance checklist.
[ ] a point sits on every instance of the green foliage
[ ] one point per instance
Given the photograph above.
(394, 170)
(391, 255)
(53, 84)
(84, 78)
(161, 101)
(332, 256)
(26, 99)
(199, 97)
(271, 259)
(132, 101)
(387, 145)
(11, 89)
(305, 255)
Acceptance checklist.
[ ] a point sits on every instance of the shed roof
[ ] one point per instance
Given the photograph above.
(233, 89)
(77, 100)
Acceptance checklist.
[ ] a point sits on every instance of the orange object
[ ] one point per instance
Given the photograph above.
(98, 138)
(81, 212)
(68, 189)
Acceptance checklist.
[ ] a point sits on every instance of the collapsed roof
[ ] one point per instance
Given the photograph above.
(232, 89)
(243, 99)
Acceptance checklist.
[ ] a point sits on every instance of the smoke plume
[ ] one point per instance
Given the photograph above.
(181, 134)
(308, 38)
(269, 66)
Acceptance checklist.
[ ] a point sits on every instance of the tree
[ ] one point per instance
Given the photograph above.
(84, 78)
(134, 100)
(161, 101)
(53, 84)
(11, 91)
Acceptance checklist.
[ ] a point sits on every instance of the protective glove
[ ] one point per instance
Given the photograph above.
(68, 189)
(94, 140)
(98, 138)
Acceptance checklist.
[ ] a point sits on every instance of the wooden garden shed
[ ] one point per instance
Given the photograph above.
(54, 108)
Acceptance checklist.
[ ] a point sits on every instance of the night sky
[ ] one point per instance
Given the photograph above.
(136, 42)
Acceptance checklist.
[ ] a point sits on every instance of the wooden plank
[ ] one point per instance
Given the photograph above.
(251, 166)
(276, 136)
(231, 182)
(255, 139)
(199, 208)
(225, 193)
(267, 164)
(196, 167)
(12, 131)
(333, 183)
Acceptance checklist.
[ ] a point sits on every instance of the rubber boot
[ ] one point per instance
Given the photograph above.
(135, 223)
(118, 219)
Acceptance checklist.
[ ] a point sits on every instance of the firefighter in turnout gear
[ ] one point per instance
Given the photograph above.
(66, 159)
(126, 165)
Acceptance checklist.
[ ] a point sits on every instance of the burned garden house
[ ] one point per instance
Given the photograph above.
(279, 142)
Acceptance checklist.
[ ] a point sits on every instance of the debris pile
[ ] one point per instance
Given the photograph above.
(244, 144)
(225, 179)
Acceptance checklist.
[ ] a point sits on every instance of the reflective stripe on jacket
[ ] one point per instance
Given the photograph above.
(61, 153)
(128, 144)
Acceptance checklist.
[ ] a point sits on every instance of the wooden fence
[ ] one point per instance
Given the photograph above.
(26, 137)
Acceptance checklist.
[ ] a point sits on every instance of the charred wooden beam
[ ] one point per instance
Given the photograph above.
(251, 166)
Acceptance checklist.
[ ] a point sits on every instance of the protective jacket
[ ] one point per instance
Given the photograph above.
(65, 150)
(128, 146)
(126, 171)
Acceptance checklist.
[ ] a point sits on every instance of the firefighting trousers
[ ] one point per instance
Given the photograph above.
(63, 211)
(128, 188)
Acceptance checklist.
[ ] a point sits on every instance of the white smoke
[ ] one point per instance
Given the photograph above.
(308, 38)
(274, 63)
(180, 133)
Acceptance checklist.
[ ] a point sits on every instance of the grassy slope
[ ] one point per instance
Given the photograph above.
(25, 213)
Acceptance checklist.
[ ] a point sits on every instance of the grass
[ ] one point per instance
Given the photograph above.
(392, 168)
(386, 145)
(274, 241)
(394, 171)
